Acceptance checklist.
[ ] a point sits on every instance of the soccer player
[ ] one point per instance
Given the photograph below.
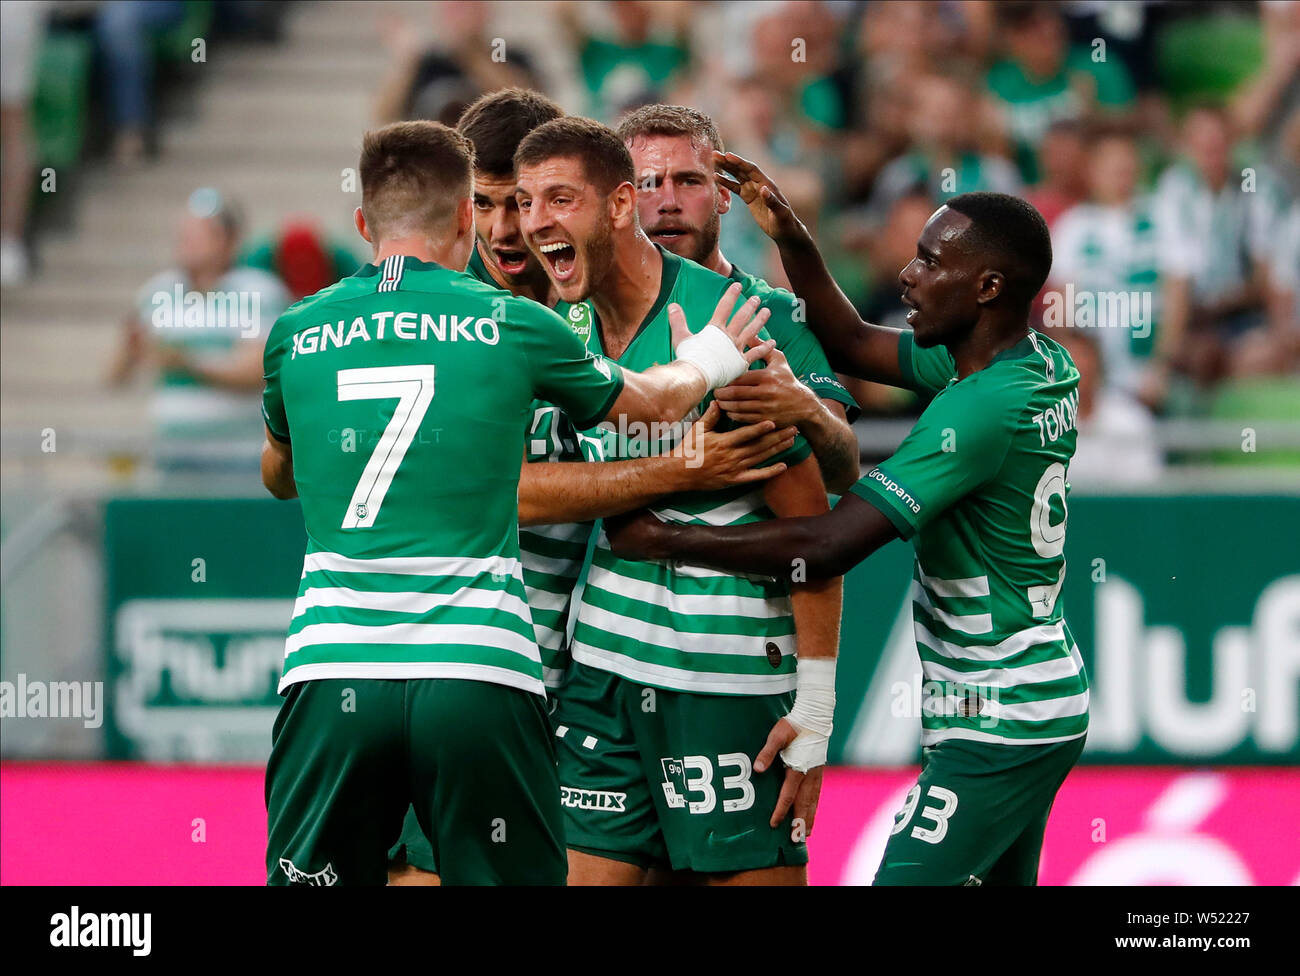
(395, 406)
(570, 492)
(681, 204)
(979, 487)
(678, 675)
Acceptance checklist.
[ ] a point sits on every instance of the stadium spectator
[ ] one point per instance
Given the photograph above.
(22, 24)
(439, 82)
(203, 323)
(944, 153)
(1064, 158)
(1042, 79)
(124, 31)
(1116, 433)
(1104, 274)
(632, 65)
(1264, 106)
(1213, 226)
(301, 256)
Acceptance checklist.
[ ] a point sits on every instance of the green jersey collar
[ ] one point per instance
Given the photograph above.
(409, 263)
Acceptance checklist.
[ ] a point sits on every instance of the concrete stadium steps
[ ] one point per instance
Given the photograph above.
(273, 126)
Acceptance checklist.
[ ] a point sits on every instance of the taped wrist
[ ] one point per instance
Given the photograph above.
(712, 352)
(813, 714)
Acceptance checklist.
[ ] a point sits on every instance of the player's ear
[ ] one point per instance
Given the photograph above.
(465, 217)
(724, 198)
(359, 219)
(991, 284)
(622, 205)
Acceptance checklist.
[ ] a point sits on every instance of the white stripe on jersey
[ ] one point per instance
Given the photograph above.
(694, 681)
(727, 514)
(1042, 634)
(767, 608)
(412, 671)
(931, 737)
(1026, 674)
(410, 602)
(1043, 710)
(332, 562)
(954, 588)
(968, 623)
(679, 640)
(484, 635)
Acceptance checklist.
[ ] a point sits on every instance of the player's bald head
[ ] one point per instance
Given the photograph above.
(414, 176)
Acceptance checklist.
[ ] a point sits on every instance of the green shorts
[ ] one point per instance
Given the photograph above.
(413, 846)
(977, 814)
(475, 760)
(656, 777)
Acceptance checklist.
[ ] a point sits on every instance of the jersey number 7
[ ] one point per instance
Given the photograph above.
(412, 386)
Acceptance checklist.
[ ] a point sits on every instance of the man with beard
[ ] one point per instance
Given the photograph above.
(558, 501)
(979, 486)
(677, 675)
(411, 668)
(680, 205)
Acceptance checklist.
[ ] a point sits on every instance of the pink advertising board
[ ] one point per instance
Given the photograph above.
(123, 823)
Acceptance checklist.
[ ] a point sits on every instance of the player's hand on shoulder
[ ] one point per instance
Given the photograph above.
(774, 394)
(770, 208)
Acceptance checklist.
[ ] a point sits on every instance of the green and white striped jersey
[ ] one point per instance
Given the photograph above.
(552, 555)
(405, 391)
(662, 623)
(1108, 255)
(979, 485)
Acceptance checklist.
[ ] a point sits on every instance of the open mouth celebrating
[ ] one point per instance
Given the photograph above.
(562, 258)
(509, 260)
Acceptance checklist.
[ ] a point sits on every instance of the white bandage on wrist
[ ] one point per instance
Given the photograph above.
(813, 714)
(712, 352)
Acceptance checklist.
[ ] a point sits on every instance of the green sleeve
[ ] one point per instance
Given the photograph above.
(582, 385)
(272, 395)
(924, 370)
(958, 444)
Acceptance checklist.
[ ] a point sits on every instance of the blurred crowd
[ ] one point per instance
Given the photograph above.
(1160, 140)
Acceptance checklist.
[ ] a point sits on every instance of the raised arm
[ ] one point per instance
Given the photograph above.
(853, 346)
(712, 357)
